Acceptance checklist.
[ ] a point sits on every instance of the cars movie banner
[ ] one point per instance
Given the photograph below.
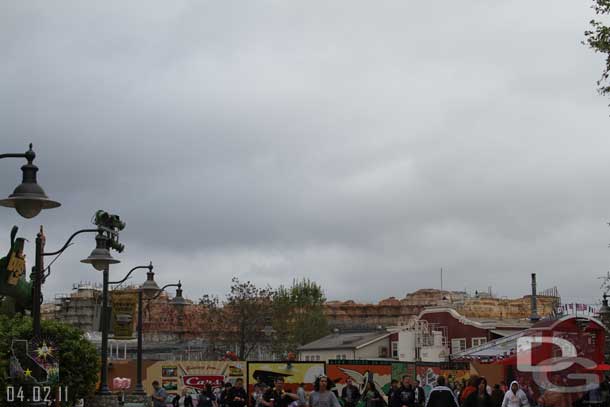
(199, 382)
(193, 374)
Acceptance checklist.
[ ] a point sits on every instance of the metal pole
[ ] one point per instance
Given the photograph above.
(37, 283)
(441, 283)
(139, 388)
(104, 373)
(534, 306)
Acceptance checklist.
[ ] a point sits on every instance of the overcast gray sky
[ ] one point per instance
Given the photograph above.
(362, 144)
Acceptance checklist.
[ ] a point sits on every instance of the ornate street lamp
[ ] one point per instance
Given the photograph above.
(28, 198)
(38, 272)
(149, 288)
(100, 257)
(101, 260)
(178, 301)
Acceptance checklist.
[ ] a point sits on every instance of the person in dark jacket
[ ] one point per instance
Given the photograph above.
(350, 394)
(206, 397)
(394, 394)
(441, 395)
(480, 398)
(183, 400)
(222, 399)
(406, 392)
(419, 395)
(236, 395)
(497, 396)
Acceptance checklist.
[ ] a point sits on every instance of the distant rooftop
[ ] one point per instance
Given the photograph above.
(484, 323)
(345, 340)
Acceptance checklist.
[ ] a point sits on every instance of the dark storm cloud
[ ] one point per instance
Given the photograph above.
(362, 145)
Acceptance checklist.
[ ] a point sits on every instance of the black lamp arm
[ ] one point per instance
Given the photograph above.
(149, 267)
(21, 155)
(28, 155)
(163, 289)
(69, 240)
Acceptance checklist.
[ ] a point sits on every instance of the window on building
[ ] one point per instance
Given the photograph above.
(458, 345)
(395, 349)
(307, 358)
(344, 356)
(478, 341)
(317, 357)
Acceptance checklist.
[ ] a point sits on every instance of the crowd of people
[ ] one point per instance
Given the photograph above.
(475, 392)
(227, 395)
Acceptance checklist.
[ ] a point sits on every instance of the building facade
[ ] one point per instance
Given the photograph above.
(459, 332)
(348, 345)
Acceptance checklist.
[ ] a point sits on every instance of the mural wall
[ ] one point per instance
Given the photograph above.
(174, 375)
(294, 373)
(361, 372)
(427, 374)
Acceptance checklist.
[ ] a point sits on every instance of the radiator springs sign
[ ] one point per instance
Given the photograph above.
(123, 313)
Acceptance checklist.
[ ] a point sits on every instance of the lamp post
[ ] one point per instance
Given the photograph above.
(178, 301)
(28, 198)
(101, 259)
(37, 275)
(148, 288)
(152, 291)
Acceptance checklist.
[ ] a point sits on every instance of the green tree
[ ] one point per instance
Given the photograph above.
(298, 315)
(598, 38)
(238, 321)
(78, 358)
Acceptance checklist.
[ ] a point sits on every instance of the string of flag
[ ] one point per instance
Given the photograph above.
(574, 308)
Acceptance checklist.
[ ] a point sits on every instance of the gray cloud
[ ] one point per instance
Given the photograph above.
(361, 145)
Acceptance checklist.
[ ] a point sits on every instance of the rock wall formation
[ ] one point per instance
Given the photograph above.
(393, 311)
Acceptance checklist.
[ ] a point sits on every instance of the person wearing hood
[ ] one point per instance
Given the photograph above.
(515, 397)
(441, 395)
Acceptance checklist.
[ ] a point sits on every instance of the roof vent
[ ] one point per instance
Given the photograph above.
(352, 340)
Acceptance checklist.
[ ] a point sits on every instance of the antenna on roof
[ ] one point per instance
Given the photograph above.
(441, 283)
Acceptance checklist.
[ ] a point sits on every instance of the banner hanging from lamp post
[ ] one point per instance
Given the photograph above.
(124, 306)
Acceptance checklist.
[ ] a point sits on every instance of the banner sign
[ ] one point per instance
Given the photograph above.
(177, 375)
(198, 382)
(15, 268)
(124, 305)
